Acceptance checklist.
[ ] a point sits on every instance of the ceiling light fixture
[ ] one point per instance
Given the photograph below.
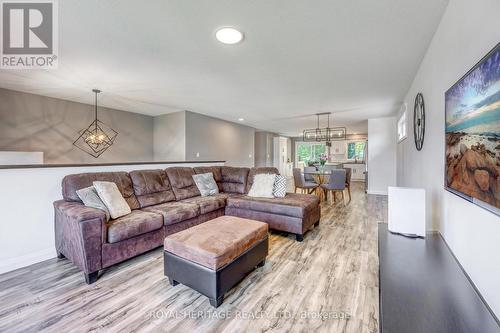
(324, 134)
(98, 137)
(228, 35)
(241, 119)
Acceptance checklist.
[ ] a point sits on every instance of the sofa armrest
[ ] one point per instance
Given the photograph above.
(78, 234)
(77, 211)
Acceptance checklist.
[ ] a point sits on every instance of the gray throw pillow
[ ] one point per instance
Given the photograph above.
(206, 184)
(90, 198)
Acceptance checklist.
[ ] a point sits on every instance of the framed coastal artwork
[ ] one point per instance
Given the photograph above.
(472, 147)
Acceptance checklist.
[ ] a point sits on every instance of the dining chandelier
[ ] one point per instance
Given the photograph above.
(97, 137)
(325, 133)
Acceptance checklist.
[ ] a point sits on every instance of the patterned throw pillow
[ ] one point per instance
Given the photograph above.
(279, 189)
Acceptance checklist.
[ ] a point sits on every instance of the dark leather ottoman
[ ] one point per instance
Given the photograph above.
(214, 256)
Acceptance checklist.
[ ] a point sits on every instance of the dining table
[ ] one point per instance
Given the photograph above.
(320, 177)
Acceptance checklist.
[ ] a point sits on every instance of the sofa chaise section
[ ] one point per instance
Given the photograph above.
(295, 213)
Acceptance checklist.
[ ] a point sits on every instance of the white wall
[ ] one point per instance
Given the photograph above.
(381, 154)
(20, 157)
(169, 137)
(27, 214)
(468, 30)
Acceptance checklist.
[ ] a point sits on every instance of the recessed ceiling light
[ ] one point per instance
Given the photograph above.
(228, 35)
(241, 119)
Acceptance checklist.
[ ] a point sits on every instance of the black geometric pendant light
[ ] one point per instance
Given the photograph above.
(98, 137)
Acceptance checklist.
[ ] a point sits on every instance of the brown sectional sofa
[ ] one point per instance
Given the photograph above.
(164, 202)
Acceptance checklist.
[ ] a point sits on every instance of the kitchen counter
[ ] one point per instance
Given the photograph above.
(358, 170)
(344, 162)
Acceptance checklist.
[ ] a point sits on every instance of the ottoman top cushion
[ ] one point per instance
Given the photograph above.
(293, 204)
(218, 242)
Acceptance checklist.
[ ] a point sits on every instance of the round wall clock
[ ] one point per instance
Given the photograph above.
(419, 121)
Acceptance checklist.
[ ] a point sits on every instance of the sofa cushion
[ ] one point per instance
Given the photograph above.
(72, 183)
(151, 187)
(208, 204)
(234, 180)
(215, 170)
(256, 171)
(175, 211)
(295, 205)
(134, 224)
(181, 180)
(217, 242)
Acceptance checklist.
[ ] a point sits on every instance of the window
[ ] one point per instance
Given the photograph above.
(356, 150)
(309, 152)
(402, 133)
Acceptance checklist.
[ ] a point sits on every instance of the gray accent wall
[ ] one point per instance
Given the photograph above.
(216, 139)
(37, 123)
(34, 123)
(170, 137)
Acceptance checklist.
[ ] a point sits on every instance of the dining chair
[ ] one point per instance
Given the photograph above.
(329, 168)
(336, 183)
(348, 174)
(300, 182)
(309, 177)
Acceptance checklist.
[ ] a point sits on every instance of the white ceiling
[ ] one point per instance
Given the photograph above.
(299, 57)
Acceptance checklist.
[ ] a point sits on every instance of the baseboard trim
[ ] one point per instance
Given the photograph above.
(11, 264)
(377, 192)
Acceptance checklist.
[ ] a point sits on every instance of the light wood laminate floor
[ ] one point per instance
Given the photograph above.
(327, 283)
